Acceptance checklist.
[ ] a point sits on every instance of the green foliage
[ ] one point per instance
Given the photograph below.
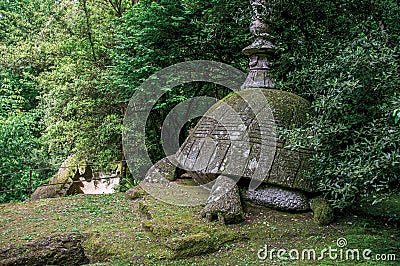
(17, 154)
(24, 56)
(80, 113)
(396, 104)
(343, 57)
(157, 34)
(77, 117)
(22, 19)
(17, 92)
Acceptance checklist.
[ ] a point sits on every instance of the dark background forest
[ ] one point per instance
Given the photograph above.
(68, 69)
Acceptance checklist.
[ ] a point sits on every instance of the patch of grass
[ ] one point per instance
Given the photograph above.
(119, 234)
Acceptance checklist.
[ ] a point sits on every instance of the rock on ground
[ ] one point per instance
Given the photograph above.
(65, 249)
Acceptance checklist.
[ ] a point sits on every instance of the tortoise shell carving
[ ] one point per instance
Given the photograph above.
(240, 135)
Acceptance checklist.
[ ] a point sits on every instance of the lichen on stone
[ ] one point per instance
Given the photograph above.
(60, 184)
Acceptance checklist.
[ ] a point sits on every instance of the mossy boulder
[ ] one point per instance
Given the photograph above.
(323, 212)
(192, 245)
(134, 193)
(64, 249)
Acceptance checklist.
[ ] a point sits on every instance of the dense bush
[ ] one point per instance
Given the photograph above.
(344, 57)
(17, 154)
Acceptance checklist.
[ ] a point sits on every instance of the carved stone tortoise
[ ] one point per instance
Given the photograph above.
(239, 142)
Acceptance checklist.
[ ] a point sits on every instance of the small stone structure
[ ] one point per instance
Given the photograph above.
(75, 177)
(65, 182)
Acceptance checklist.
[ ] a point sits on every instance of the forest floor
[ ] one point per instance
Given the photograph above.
(119, 231)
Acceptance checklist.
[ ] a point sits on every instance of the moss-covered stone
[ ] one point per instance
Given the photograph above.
(67, 181)
(323, 212)
(144, 211)
(60, 184)
(64, 249)
(289, 110)
(158, 229)
(134, 193)
(192, 245)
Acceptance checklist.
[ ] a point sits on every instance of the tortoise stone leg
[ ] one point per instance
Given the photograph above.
(224, 202)
(290, 200)
(278, 198)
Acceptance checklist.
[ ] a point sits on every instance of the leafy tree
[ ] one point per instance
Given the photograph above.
(157, 34)
(77, 103)
(17, 145)
(22, 60)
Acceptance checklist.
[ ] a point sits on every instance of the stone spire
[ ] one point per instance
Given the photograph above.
(261, 50)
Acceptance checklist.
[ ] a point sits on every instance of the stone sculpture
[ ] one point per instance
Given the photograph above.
(238, 142)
